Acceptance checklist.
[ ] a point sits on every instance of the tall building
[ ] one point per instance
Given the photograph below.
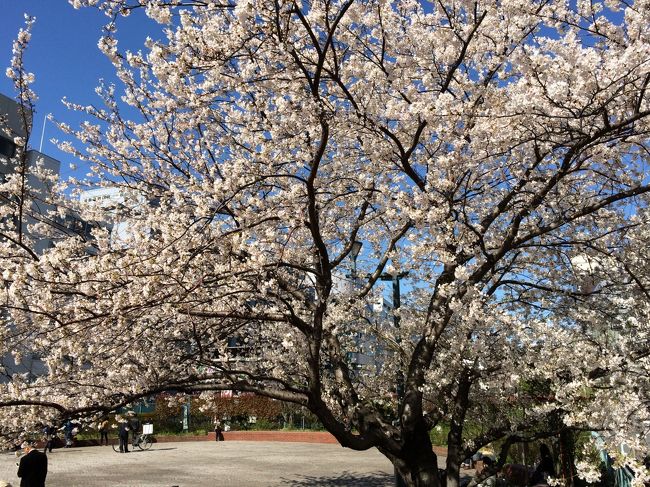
(12, 126)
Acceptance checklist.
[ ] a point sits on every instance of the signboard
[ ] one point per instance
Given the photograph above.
(186, 417)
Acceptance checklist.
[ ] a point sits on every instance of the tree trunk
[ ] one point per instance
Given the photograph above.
(566, 457)
(454, 451)
(417, 463)
(455, 436)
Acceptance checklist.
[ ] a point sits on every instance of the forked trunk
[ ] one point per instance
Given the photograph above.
(418, 464)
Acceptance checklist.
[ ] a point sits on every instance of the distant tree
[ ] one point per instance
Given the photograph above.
(496, 151)
(245, 405)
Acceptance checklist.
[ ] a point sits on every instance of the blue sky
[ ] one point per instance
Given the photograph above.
(63, 55)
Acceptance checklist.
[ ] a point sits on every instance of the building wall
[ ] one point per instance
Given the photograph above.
(10, 111)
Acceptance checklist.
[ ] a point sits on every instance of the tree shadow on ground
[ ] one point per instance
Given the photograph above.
(343, 479)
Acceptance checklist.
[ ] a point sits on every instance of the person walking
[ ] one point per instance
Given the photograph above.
(67, 433)
(103, 430)
(32, 468)
(123, 433)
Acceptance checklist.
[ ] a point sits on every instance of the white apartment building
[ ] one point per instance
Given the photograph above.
(109, 199)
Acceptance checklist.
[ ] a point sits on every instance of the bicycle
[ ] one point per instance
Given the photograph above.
(142, 441)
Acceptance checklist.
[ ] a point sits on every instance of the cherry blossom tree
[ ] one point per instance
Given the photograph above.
(495, 152)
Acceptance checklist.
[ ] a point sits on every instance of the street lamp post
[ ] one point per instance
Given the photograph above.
(355, 356)
(397, 301)
(354, 252)
(399, 387)
(396, 323)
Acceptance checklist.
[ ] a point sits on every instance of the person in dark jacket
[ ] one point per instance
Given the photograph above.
(32, 468)
(546, 467)
(123, 433)
(134, 425)
(50, 435)
(218, 430)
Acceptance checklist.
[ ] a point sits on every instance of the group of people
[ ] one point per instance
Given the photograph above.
(131, 424)
(517, 476)
(32, 466)
(219, 429)
(70, 429)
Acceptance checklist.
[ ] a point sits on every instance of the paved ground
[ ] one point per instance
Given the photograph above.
(211, 464)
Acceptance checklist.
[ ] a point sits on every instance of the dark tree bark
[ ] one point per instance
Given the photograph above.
(566, 457)
(455, 436)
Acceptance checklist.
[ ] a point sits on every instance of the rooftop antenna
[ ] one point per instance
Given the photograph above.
(40, 147)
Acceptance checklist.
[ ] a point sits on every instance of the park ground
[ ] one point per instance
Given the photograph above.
(210, 464)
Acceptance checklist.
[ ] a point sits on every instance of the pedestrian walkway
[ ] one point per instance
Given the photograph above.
(212, 464)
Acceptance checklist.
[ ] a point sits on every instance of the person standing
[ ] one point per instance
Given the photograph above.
(32, 468)
(134, 425)
(218, 430)
(103, 431)
(545, 469)
(123, 433)
(50, 432)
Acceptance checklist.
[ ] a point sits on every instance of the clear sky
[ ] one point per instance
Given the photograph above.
(63, 55)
